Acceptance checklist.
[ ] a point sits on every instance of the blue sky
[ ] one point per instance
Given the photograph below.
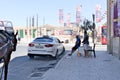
(17, 11)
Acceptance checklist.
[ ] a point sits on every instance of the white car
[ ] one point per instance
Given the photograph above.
(45, 45)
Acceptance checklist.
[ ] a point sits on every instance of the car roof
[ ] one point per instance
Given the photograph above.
(46, 36)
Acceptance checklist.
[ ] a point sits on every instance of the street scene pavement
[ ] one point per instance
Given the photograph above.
(22, 67)
(103, 67)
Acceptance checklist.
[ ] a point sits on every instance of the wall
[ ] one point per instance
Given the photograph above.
(116, 46)
(113, 45)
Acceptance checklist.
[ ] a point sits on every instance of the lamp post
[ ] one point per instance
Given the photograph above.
(93, 36)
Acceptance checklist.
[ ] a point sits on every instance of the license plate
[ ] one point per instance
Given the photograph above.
(39, 46)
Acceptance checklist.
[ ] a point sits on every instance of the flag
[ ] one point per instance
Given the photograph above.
(98, 13)
(60, 16)
(78, 14)
(68, 19)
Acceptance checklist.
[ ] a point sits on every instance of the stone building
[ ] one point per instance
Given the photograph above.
(27, 34)
(113, 46)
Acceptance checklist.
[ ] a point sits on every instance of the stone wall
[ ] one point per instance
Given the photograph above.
(116, 47)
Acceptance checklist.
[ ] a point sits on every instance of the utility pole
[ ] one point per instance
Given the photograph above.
(44, 32)
(43, 21)
(38, 31)
(30, 26)
(27, 28)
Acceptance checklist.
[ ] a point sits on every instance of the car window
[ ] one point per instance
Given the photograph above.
(6, 25)
(43, 40)
(57, 40)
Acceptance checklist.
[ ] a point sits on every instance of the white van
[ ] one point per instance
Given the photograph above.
(7, 26)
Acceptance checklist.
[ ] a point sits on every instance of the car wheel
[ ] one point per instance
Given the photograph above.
(30, 56)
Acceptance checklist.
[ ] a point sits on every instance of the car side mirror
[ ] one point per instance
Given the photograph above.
(62, 42)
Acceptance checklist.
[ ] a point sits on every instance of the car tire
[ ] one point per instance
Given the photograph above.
(31, 56)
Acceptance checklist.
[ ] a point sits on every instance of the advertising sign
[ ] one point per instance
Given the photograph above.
(68, 19)
(98, 13)
(78, 14)
(60, 16)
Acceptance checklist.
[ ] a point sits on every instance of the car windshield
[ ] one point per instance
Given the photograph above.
(42, 39)
(6, 25)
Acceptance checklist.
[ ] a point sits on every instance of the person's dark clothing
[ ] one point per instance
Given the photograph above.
(85, 40)
(77, 45)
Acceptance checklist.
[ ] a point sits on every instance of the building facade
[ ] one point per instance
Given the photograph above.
(27, 34)
(113, 45)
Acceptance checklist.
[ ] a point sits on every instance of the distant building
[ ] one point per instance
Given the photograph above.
(71, 24)
(27, 34)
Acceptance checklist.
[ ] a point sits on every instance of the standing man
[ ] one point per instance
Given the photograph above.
(86, 43)
(77, 45)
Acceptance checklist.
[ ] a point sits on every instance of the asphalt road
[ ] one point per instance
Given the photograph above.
(21, 67)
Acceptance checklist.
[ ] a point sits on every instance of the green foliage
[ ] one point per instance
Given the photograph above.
(88, 25)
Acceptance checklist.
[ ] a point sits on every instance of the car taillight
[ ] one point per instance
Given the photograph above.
(31, 45)
(49, 45)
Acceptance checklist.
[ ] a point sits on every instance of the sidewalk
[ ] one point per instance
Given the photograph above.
(103, 67)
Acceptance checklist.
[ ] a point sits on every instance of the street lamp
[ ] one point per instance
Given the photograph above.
(93, 36)
(93, 21)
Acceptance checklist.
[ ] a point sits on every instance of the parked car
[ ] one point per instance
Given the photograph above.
(45, 45)
(7, 26)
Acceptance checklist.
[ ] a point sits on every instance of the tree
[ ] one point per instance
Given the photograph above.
(87, 25)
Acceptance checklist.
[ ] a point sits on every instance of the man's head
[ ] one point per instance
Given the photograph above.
(77, 36)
